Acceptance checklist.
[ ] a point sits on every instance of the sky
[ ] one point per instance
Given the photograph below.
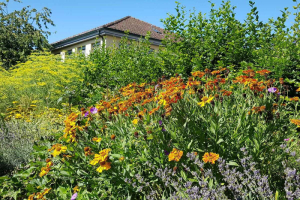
(75, 16)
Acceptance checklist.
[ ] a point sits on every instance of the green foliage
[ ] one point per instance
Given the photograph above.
(21, 32)
(44, 77)
(219, 39)
(128, 126)
(126, 62)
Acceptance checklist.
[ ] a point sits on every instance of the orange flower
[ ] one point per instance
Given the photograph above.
(175, 155)
(298, 90)
(226, 93)
(281, 81)
(295, 121)
(294, 99)
(210, 157)
(121, 158)
(263, 72)
(95, 139)
(113, 136)
(87, 151)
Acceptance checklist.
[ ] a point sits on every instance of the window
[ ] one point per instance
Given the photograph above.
(69, 51)
(96, 45)
(82, 50)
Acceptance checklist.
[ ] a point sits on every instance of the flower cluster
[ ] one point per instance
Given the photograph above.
(175, 155)
(101, 159)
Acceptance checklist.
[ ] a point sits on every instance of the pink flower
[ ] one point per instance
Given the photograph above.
(287, 139)
(93, 110)
(74, 196)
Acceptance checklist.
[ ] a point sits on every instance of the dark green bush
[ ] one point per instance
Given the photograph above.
(219, 39)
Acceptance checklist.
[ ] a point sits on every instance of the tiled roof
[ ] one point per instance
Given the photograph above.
(131, 24)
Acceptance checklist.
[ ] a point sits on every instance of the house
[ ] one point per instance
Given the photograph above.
(110, 33)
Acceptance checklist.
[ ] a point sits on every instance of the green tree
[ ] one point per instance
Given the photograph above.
(21, 32)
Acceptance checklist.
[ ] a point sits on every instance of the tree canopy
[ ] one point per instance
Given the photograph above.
(21, 32)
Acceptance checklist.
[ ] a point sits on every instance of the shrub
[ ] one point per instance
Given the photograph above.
(43, 77)
(219, 39)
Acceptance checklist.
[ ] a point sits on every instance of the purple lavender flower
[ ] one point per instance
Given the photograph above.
(287, 139)
(93, 110)
(163, 129)
(160, 122)
(293, 153)
(74, 196)
(86, 114)
(166, 152)
(272, 89)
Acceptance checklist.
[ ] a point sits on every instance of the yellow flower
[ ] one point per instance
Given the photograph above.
(121, 158)
(44, 171)
(105, 166)
(175, 155)
(101, 157)
(46, 191)
(31, 197)
(205, 100)
(58, 149)
(298, 90)
(95, 139)
(14, 102)
(135, 121)
(210, 157)
(75, 189)
(18, 116)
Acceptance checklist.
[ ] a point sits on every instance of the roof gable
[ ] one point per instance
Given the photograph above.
(131, 24)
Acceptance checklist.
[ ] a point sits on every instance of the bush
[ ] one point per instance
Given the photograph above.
(219, 39)
(44, 77)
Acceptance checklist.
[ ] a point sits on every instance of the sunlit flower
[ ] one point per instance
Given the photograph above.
(294, 99)
(210, 157)
(272, 89)
(58, 149)
(205, 100)
(105, 166)
(101, 157)
(18, 116)
(74, 196)
(93, 110)
(75, 189)
(44, 171)
(95, 139)
(113, 136)
(296, 121)
(121, 158)
(175, 155)
(31, 197)
(87, 151)
(298, 90)
(135, 121)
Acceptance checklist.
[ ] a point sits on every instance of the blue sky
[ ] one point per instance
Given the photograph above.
(75, 16)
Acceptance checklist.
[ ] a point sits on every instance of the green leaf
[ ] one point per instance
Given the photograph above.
(232, 163)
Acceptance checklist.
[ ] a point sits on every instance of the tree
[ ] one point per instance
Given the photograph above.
(21, 32)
